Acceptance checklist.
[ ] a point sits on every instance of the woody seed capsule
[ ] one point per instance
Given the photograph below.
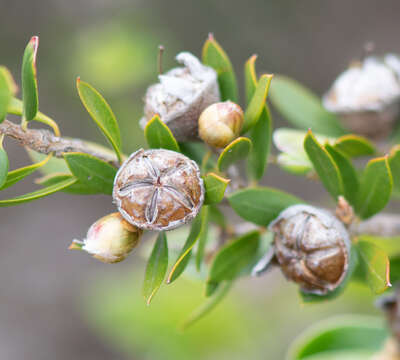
(366, 96)
(158, 189)
(181, 95)
(220, 123)
(312, 248)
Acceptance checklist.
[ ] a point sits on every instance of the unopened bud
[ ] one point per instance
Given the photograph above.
(181, 95)
(312, 248)
(220, 123)
(110, 239)
(366, 96)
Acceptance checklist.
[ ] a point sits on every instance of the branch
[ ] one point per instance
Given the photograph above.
(43, 141)
(383, 225)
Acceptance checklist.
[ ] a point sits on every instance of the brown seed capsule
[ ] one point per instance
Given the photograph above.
(366, 96)
(312, 248)
(220, 123)
(158, 189)
(110, 239)
(181, 95)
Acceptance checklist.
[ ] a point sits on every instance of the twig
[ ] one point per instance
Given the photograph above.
(382, 225)
(43, 141)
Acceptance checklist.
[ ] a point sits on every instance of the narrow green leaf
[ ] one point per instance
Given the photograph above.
(260, 135)
(347, 172)
(232, 258)
(101, 113)
(394, 164)
(201, 244)
(3, 166)
(261, 205)
(295, 164)
(375, 265)
(375, 189)
(215, 187)
(198, 226)
(214, 56)
(208, 306)
(156, 268)
(217, 216)
(238, 149)
(92, 172)
(257, 103)
(354, 145)
(250, 78)
(29, 81)
(303, 108)
(77, 188)
(159, 136)
(38, 194)
(8, 88)
(324, 166)
(16, 107)
(340, 333)
(17, 175)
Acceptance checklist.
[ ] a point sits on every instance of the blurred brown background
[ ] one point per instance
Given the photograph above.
(55, 304)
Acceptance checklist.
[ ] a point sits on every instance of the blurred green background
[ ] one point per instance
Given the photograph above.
(60, 305)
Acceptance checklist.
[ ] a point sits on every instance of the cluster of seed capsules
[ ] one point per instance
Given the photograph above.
(160, 190)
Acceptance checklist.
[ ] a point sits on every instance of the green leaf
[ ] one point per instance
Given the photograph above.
(235, 151)
(261, 205)
(92, 172)
(348, 173)
(3, 166)
(193, 150)
(350, 332)
(354, 145)
(156, 268)
(199, 225)
(375, 265)
(214, 56)
(201, 245)
(101, 113)
(7, 90)
(250, 78)
(260, 135)
(208, 306)
(29, 80)
(303, 108)
(77, 188)
(38, 194)
(215, 187)
(375, 188)
(159, 136)
(17, 175)
(295, 164)
(394, 164)
(16, 107)
(390, 245)
(231, 259)
(257, 103)
(324, 166)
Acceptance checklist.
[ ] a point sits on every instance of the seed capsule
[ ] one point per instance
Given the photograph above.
(158, 189)
(312, 248)
(181, 95)
(110, 239)
(220, 123)
(366, 96)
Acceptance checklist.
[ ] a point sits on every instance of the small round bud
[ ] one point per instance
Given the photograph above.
(110, 239)
(181, 95)
(158, 189)
(312, 248)
(366, 96)
(220, 123)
